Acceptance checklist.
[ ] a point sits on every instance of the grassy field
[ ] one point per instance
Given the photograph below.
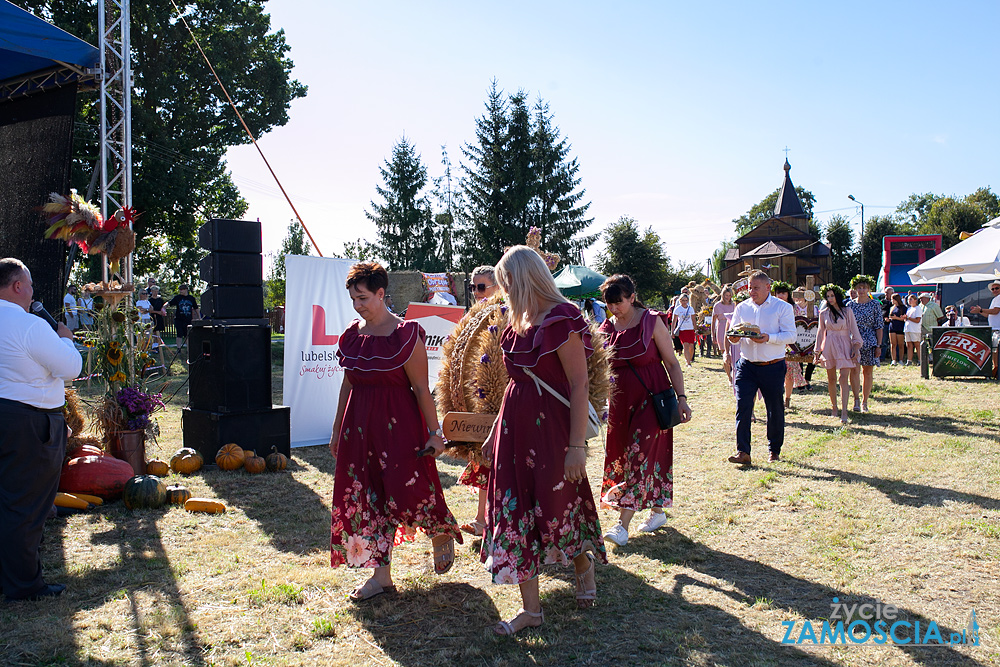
(902, 506)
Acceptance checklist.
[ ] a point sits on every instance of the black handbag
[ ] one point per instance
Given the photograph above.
(668, 412)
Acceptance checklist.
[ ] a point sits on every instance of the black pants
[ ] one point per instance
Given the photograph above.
(32, 447)
(770, 380)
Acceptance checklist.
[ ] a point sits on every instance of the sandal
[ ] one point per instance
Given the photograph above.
(506, 628)
(370, 589)
(585, 597)
(444, 554)
(474, 528)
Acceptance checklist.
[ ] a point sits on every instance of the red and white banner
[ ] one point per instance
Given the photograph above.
(438, 322)
(317, 310)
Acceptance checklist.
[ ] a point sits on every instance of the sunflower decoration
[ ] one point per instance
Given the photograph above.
(114, 354)
(119, 348)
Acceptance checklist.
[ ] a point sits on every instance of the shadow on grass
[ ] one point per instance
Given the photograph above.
(163, 632)
(430, 623)
(291, 514)
(898, 491)
(751, 583)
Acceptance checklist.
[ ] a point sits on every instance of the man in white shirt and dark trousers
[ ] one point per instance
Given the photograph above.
(993, 317)
(35, 361)
(761, 365)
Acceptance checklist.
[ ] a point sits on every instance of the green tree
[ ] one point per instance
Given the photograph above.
(844, 258)
(986, 201)
(445, 221)
(916, 207)
(404, 222)
(559, 209)
(294, 243)
(719, 259)
(360, 250)
(950, 217)
(876, 228)
(518, 175)
(181, 123)
(483, 236)
(637, 254)
(764, 210)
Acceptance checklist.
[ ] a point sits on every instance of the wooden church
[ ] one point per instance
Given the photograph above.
(781, 245)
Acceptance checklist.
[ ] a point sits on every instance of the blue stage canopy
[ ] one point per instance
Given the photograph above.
(31, 48)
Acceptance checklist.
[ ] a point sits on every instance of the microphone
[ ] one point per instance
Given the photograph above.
(38, 309)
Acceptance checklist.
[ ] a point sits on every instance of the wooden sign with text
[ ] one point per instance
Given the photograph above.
(467, 426)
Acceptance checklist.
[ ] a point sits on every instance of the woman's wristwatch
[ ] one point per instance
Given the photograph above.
(439, 432)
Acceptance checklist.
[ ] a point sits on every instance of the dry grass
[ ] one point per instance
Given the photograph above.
(902, 506)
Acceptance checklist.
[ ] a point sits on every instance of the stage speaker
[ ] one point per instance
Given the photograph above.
(232, 302)
(259, 430)
(230, 368)
(230, 236)
(232, 268)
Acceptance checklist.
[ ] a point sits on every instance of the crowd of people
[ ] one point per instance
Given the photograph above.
(78, 310)
(535, 503)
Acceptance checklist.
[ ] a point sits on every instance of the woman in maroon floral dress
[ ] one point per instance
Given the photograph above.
(381, 480)
(540, 508)
(639, 459)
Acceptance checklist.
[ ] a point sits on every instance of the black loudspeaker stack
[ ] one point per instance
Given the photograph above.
(229, 351)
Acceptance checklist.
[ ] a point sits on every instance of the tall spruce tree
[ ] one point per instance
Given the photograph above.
(404, 222)
(518, 176)
(558, 207)
(483, 187)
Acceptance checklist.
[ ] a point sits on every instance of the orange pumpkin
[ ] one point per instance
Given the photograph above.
(254, 464)
(186, 461)
(204, 505)
(230, 457)
(276, 460)
(177, 495)
(157, 468)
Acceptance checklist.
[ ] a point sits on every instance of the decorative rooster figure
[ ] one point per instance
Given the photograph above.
(534, 242)
(73, 220)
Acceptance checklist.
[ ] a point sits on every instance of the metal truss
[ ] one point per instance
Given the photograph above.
(116, 112)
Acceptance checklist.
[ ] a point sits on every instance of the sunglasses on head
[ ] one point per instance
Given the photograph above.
(480, 287)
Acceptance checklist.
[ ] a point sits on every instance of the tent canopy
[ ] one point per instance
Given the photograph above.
(974, 259)
(30, 46)
(574, 280)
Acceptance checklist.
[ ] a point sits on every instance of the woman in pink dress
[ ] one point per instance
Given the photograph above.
(838, 343)
(382, 481)
(540, 509)
(722, 312)
(639, 458)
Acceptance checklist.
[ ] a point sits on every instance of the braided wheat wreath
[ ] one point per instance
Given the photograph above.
(473, 377)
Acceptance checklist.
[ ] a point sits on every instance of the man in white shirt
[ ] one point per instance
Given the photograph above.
(993, 317)
(762, 365)
(70, 308)
(35, 361)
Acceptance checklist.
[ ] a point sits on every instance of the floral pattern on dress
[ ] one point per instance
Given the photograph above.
(638, 463)
(869, 318)
(475, 475)
(534, 516)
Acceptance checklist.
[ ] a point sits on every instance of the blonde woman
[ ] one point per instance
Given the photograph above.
(540, 507)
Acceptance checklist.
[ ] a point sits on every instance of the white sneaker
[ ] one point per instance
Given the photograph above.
(655, 520)
(617, 535)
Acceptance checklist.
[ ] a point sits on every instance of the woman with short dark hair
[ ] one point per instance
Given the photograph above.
(386, 423)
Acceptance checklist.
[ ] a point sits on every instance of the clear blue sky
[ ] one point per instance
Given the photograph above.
(677, 112)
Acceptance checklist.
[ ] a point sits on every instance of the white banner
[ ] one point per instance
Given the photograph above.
(318, 309)
(438, 322)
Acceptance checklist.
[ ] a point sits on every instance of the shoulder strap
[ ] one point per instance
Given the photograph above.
(542, 384)
(643, 384)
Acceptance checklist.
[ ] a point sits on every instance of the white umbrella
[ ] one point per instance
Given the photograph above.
(974, 259)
